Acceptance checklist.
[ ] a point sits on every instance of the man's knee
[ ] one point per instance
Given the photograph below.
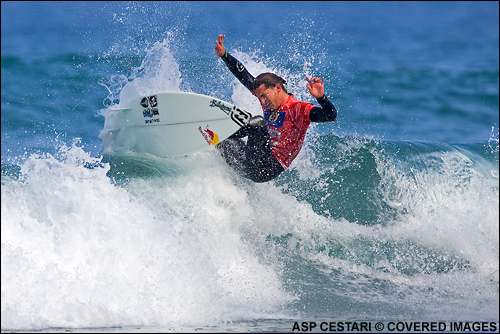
(257, 121)
(231, 147)
(256, 124)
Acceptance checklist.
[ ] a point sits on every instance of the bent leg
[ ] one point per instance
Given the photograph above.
(263, 165)
(232, 151)
(254, 160)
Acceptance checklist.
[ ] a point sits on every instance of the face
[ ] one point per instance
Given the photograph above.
(269, 97)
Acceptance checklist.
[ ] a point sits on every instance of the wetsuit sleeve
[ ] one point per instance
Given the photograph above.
(239, 71)
(327, 112)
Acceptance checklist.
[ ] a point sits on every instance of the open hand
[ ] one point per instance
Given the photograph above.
(316, 87)
(219, 46)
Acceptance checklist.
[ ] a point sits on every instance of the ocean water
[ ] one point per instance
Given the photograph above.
(389, 214)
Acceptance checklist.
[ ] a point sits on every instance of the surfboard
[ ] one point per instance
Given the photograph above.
(170, 124)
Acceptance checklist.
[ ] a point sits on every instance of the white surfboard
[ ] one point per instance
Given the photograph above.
(170, 124)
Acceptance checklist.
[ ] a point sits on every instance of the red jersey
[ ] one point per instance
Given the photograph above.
(287, 127)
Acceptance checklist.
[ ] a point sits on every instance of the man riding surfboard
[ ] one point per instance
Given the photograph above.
(274, 139)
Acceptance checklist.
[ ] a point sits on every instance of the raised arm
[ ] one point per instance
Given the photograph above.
(327, 112)
(238, 70)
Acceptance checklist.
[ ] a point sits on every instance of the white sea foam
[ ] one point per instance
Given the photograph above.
(79, 251)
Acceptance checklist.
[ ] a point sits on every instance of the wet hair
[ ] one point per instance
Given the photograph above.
(269, 80)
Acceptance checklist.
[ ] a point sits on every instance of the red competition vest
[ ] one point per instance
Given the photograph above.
(287, 127)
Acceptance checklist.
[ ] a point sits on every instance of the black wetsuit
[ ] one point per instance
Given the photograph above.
(255, 159)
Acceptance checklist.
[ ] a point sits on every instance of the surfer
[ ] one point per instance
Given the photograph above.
(276, 139)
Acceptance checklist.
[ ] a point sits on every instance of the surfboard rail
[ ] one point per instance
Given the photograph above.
(169, 124)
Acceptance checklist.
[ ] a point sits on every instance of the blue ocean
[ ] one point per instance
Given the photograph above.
(390, 214)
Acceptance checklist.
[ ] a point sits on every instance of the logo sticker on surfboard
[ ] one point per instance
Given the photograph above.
(238, 116)
(210, 136)
(150, 105)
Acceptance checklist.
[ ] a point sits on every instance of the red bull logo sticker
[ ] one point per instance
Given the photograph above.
(210, 136)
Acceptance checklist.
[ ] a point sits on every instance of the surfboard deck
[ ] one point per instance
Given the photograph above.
(170, 124)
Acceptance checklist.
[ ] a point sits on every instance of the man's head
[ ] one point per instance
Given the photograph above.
(270, 89)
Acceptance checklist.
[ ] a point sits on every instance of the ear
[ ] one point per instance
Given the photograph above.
(278, 88)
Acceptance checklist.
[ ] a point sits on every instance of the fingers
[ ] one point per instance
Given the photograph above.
(315, 80)
(219, 46)
(220, 41)
(315, 84)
